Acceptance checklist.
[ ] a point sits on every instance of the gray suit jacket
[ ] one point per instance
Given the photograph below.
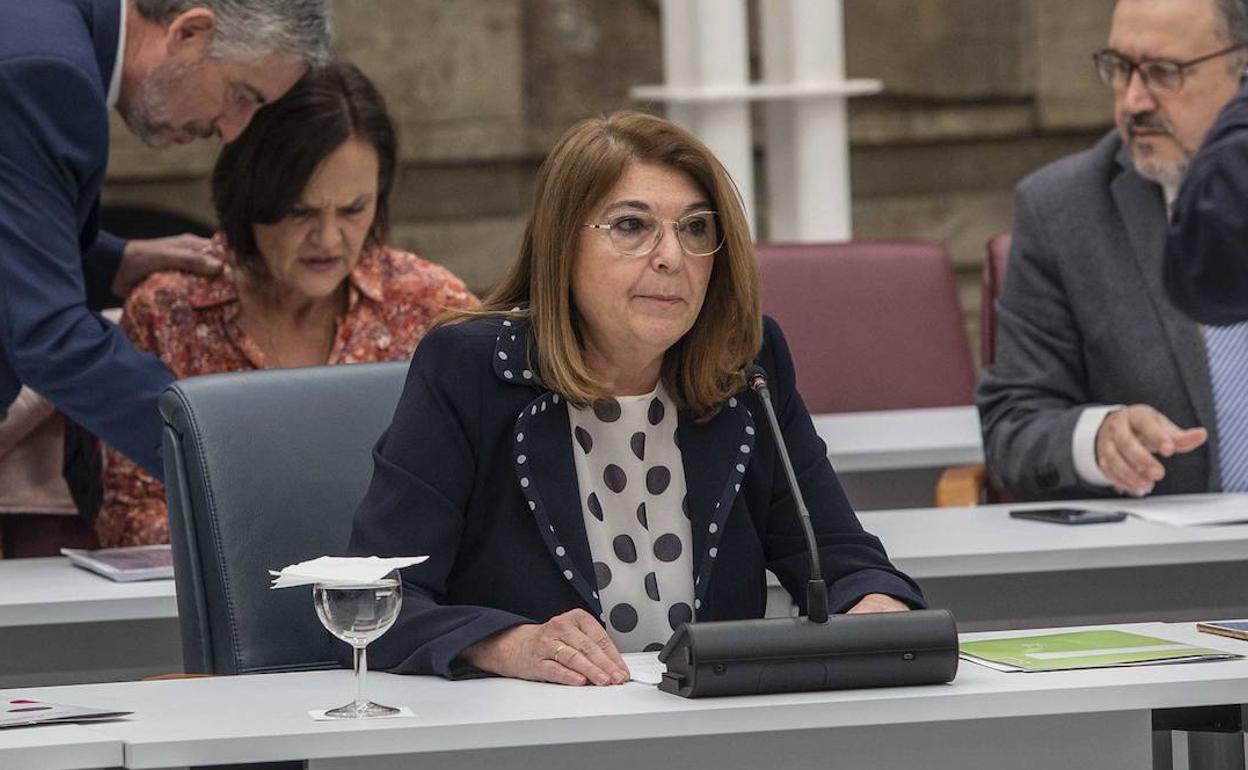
(1084, 320)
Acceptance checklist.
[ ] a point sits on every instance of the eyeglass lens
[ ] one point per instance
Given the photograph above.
(637, 234)
(1160, 74)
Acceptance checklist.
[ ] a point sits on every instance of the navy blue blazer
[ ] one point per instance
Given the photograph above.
(476, 470)
(56, 60)
(1206, 268)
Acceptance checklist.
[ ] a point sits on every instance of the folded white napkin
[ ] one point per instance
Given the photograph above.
(340, 570)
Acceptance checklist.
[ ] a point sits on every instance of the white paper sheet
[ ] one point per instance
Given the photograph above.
(341, 570)
(644, 667)
(1184, 510)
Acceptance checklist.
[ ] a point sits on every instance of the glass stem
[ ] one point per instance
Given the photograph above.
(361, 668)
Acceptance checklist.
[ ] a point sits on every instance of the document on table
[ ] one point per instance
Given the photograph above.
(1184, 510)
(1083, 649)
(21, 712)
(644, 667)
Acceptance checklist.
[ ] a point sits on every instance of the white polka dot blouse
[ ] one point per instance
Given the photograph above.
(632, 487)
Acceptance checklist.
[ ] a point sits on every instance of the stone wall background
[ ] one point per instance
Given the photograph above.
(977, 94)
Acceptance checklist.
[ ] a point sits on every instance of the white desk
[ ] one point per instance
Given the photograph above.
(984, 719)
(44, 591)
(61, 624)
(903, 438)
(58, 747)
(998, 572)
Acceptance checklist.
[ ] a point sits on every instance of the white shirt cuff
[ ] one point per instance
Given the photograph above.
(1083, 444)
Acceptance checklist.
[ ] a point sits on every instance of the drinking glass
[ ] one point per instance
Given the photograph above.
(357, 614)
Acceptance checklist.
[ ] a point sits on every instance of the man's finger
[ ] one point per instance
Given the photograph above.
(1192, 438)
(1154, 430)
(1119, 472)
(1142, 461)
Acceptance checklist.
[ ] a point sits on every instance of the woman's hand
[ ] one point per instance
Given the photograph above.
(571, 648)
(877, 603)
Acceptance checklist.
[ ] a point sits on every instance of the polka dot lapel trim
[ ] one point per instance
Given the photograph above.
(542, 415)
(707, 541)
(512, 360)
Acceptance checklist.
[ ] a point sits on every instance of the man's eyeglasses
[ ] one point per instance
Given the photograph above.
(1162, 76)
(636, 234)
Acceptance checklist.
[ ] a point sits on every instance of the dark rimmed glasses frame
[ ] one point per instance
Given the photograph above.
(1160, 75)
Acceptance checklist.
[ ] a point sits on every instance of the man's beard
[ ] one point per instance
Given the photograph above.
(145, 115)
(1168, 174)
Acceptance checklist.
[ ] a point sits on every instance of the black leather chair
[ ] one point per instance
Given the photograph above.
(265, 469)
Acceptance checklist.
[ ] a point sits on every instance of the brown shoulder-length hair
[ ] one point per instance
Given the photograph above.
(705, 367)
(260, 176)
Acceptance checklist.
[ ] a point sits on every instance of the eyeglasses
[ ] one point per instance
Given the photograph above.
(1159, 75)
(636, 234)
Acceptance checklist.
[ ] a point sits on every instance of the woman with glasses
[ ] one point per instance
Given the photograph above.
(581, 458)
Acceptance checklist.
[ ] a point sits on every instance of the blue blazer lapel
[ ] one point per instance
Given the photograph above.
(545, 470)
(715, 455)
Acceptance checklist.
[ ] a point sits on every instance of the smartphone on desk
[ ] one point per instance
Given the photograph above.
(1069, 515)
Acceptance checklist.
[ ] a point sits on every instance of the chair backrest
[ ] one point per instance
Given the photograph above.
(262, 470)
(871, 324)
(992, 282)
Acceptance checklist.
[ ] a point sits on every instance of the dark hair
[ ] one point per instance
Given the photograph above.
(260, 176)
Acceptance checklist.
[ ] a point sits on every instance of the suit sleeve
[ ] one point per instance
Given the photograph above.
(1031, 397)
(52, 138)
(1206, 267)
(99, 268)
(424, 467)
(853, 561)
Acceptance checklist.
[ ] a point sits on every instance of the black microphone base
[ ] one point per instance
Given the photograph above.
(749, 657)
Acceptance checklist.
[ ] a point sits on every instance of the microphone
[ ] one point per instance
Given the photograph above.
(745, 657)
(816, 589)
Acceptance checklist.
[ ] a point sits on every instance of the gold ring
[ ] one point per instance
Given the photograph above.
(555, 655)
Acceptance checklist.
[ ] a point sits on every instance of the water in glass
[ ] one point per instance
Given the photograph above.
(358, 614)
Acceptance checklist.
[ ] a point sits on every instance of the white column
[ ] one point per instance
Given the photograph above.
(706, 51)
(807, 139)
(804, 90)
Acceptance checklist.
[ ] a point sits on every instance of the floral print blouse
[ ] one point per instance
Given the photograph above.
(188, 321)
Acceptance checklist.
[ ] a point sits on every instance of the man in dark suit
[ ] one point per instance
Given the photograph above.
(1095, 369)
(176, 70)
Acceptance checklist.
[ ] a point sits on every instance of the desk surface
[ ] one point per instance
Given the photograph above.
(984, 540)
(45, 591)
(264, 718)
(923, 542)
(59, 747)
(903, 438)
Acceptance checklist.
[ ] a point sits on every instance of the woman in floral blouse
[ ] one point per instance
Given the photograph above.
(301, 198)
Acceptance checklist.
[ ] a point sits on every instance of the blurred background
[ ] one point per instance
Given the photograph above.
(977, 93)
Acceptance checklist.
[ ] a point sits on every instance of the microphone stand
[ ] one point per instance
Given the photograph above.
(742, 657)
(816, 589)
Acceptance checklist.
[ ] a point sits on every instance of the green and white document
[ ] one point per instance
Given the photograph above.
(1083, 649)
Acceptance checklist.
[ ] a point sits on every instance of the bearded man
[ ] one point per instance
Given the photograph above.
(176, 70)
(1096, 371)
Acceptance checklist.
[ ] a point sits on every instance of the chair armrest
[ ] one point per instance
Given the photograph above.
(961, 486)
(168, 677)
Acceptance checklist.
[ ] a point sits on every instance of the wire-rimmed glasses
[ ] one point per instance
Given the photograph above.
(1159, 75)
(636, 234)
